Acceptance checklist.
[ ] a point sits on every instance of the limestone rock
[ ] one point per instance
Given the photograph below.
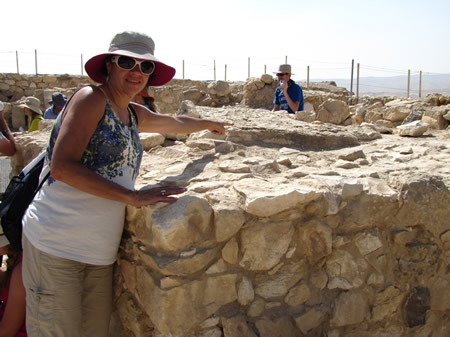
(200, 298)
(333, 111)
(229, 217)
(256, 308)
(280, 283)
(310, 320)
(367, 243)
(298, 295)
(344, 271)
(263, 198)
(188, 108)
(396, 111)
(219, 88)
(434, 118)
(315, 239)
(439, 295)
(413, 129)
(230, 251)
(387, 303)
(266, 78)
(179, 266)
(351, 154)
(236, 327)
(263, 244)
(246, 294)
(192, 94)
(281, 327)
(150, 140)
(180, 225)
(350, 308)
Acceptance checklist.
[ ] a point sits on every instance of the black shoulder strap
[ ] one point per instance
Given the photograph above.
(130, 106)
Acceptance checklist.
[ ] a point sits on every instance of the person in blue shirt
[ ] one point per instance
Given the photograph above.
(57, 103)
(289, 95)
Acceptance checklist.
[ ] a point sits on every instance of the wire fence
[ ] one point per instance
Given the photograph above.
(234, 69)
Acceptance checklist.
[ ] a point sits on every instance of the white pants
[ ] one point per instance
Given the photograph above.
(65, 298)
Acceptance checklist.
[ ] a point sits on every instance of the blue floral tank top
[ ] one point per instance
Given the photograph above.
(69, 223)
(108, 150)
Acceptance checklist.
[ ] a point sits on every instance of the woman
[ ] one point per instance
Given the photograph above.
(12, 305)
(33, 113)
(7, 141)
(73, 227)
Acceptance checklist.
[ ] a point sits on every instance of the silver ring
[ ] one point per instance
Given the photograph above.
(163, 192)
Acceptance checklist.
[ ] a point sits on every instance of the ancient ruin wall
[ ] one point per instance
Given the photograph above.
(287, 229)
(289, 236)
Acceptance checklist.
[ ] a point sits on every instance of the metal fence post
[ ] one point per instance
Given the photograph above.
(420, 84)
(17, 61)
(82, 64)
(351, 80)
(357, 83)
(35, 60)
(307, 77)
(409, 80)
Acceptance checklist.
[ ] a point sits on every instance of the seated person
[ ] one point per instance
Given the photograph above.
(57, 104)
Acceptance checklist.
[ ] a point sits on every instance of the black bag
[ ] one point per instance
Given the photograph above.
(18, 195)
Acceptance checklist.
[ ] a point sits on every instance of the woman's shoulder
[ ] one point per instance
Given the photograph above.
(87, 98)
(90, 92)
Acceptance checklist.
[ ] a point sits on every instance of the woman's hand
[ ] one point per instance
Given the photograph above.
(151, 196)
(218, 128)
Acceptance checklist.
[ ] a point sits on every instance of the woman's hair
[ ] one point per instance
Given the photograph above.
(151, 103)
(104, 70)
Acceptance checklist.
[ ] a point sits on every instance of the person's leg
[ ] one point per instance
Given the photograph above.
(53, 290)
(97, 300)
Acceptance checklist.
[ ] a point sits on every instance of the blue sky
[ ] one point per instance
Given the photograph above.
(385, 37)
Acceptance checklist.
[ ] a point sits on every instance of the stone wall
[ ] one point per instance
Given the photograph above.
(288, 229)
(324, 101)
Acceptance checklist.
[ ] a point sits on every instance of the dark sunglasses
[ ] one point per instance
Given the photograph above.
(282, 74)
(128, 63)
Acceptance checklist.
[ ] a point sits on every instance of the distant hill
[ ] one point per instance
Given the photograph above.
(398, 85)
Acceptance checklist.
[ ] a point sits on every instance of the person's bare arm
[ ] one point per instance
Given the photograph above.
(160, 123)
(7, 141)
(80, 120)
(14, 315)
